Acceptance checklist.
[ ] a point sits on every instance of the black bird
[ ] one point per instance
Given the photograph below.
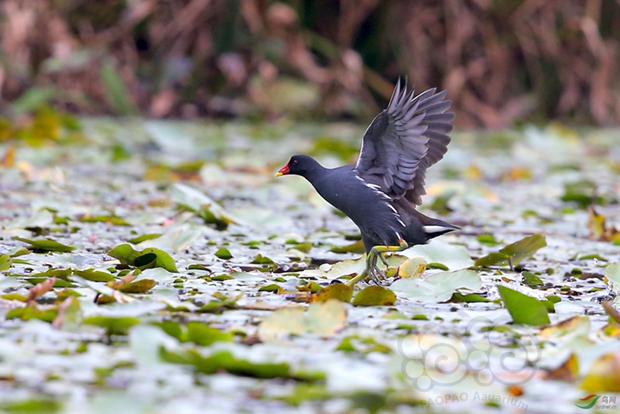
(381, 191)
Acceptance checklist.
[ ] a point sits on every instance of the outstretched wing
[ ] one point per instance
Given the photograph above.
(406, 138)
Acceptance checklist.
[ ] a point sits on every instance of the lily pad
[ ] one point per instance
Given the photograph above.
(145, 259)
(113, 325)
(604, 376)
(514, 253)
(375, 296)
(337, 291)
(193, 200)
(227, 362)
(524, 310)
(196, 332)
(453, 257)
(437, 287)
(46, 245)
(321, 319)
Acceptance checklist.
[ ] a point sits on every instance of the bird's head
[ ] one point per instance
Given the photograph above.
(299, 165)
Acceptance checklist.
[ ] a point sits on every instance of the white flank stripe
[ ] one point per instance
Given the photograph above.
(436, 229)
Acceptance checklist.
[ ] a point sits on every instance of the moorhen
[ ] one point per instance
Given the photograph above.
(381, 191)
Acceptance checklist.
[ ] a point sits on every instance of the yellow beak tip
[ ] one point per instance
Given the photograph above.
(279, 174)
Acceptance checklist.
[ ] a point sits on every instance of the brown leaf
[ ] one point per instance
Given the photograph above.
(41, 289)
(568, 371)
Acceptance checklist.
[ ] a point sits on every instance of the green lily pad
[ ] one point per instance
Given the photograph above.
(139, 286)
(113, 325)
(144, 237)
(469, 298)
(524, 310)
(223, 254)
(144, 259)
(375, 296)
(32, 406)
(532, 280)
(32, 312)
(226, 361)
(514, 253)
(196, 332)
(191, 199)
(437, 287)
(272, 287)
(109, 219)
(46, 245)
(5, 262)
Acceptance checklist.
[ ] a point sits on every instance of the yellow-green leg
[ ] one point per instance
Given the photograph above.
(371, 269)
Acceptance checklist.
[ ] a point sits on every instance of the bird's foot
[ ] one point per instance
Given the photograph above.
(372, 271)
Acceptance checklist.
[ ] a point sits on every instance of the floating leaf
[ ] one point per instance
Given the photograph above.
(32, 312)
(220, 304)
(144, 259)
(437, 287)
(375, 296)
(109, 219)
(337, 291)
(453, 257)
(582, 192)
(306, 392)
(144, 237)
(355, 247)
(5, 262)
(612, 273)
(514, 253)
(226, 361)
(487, 239)
(413, 267)
(196, 332)
(600, 229)
(33, 406)
(604, 376)
(113, 325)
(523, 309)
(139, 286)
(223, 254)
(41, 289)
(321, 319)
(569, 328)
(272, 287)
(46, 245)
(568, 371)
(363, 345)
(94, 275)
(469, 298)
(532, 280)
(260, 259)
(203, 206)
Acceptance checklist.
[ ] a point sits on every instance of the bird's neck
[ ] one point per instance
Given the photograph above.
(315, 172)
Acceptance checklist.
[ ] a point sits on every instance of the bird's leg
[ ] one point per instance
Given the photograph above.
(371, 269)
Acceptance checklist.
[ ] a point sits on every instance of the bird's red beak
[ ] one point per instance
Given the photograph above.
(283, 171)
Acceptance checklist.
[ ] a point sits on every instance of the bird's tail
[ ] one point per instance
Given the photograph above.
(434, 227)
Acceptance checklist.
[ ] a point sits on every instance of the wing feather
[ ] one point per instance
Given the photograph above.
(406, 138)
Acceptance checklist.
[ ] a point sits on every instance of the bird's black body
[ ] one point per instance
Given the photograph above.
(381, 191)
(381, 220)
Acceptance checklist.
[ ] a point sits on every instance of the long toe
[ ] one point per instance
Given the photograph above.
(377, 276)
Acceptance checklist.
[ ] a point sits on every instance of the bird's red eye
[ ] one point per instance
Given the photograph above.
(295, 162)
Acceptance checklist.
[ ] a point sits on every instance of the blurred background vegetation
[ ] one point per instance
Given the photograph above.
(502, 62)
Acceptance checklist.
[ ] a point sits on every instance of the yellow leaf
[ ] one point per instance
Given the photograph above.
(321, 319)
(567, 371)
(604, 376)
(413, 267)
